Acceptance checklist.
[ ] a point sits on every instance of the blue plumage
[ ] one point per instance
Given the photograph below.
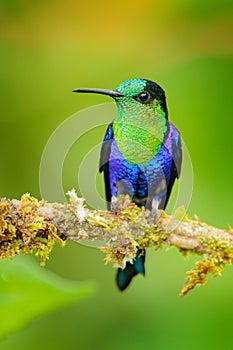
(142, 183)
(141, 154)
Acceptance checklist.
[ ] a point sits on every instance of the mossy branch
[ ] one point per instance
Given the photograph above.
(32, 226)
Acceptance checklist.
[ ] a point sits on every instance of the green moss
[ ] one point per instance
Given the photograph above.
(219, 250)
(197, 276)
(23, 230)
(152, 238)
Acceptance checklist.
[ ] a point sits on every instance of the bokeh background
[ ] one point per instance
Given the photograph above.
(48, 48)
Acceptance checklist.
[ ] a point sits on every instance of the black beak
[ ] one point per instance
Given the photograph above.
(112, 93)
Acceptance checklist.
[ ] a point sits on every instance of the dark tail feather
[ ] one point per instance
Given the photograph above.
(124, 276)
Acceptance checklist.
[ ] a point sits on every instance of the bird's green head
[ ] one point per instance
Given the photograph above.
(139, 94)
(141, 123)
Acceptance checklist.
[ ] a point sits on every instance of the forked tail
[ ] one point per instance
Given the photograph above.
(124, 276)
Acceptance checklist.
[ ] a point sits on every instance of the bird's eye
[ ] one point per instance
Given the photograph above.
(144, 97)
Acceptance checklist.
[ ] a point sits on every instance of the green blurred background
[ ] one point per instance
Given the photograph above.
(48, 48)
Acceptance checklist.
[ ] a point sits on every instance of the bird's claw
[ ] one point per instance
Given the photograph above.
(115, 205)
(153, 216)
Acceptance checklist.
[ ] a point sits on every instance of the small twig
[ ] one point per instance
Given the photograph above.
(29, 225)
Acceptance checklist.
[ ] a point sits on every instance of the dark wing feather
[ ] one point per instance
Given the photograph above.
(177, 153)
(176, 163)
(104, 162)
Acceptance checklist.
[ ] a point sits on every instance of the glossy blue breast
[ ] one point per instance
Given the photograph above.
(141, 182)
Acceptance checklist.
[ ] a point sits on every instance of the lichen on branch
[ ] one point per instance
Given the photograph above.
(23, 229)
(32, 226)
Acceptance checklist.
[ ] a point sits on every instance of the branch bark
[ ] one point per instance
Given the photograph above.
(32, 226)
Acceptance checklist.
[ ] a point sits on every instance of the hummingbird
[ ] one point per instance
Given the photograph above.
(141, 154)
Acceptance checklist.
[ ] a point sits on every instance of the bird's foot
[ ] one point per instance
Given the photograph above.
(115, 208)
(153, 216)
(120, 203)
(154, 211)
